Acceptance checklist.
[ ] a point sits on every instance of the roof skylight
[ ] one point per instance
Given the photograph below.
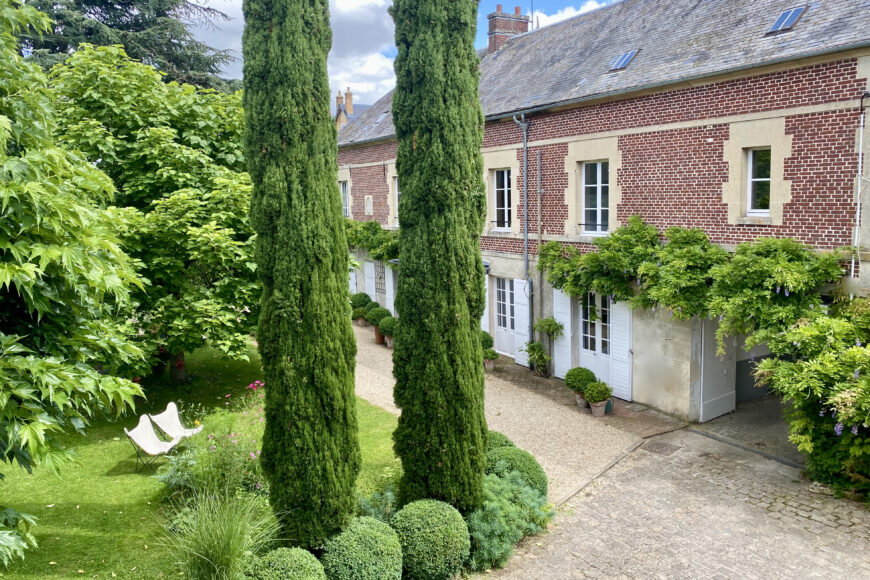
(787, 19)
(623, 60)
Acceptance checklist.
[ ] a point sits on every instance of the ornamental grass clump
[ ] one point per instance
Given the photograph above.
(503, 460)
(434, 540)
(367, 549)
(285, 564)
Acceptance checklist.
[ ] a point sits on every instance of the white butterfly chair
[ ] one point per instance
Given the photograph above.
(170, 423)
(145, 440)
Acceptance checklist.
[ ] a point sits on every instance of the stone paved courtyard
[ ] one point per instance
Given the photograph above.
(686, 506)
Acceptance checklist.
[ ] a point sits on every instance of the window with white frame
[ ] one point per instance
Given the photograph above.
(502, 182)
(758, 185)
(398, 197)
(504, 303)
(596, 197)
(345, 198)
(595, 327)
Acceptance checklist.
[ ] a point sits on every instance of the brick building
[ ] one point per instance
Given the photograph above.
(741, 117)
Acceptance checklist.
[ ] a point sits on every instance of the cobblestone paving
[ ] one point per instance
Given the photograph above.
(685, 506)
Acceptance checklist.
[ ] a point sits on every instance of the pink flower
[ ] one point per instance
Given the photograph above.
(253, 455)
(211, 436)
(261, 419)
(228, 395)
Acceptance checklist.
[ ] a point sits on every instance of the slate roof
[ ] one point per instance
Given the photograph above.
(358, 110)
(678, 40)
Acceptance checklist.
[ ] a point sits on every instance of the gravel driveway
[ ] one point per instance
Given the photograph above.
(572, 448)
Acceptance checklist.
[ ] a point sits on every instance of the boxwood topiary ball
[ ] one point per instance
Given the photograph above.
(503, 460)
(360, 300)
(367, 549)
(494, 440)
(577, 378)
(387, 325)
(286, 564)
(486, 340)
(376, 314)
(434, 538)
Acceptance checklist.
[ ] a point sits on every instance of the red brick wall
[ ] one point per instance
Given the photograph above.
(675, 177)
(370, 181)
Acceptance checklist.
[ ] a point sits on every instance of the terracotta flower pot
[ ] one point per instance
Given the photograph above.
(389, 341)
(598, 408)
(488, 365)
(581, 400)
(379, 338)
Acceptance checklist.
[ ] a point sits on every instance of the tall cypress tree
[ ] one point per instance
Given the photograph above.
(310, 448)
(437, 359)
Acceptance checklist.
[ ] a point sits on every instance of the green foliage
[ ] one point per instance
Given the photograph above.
(360, 300)
(220, 533)
(550, 326)
(381, 505)
(767, 286)
(503, 460)
(538, 357)
(311, 452)
(375, 315)
(175, 155)
(494, 440)
(285, 564)
(486, 340)
(679, 277)
(434, 540)
(822, 367)
(367, 549)
(387, 325)
(490, 354)
(597, 392)
(577, 378)
(359, 313)
(511, 511)
(156, 33)
(371, 307)
(16, 535)
(381, 244)
(611, 271)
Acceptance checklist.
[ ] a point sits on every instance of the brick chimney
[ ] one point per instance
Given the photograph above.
(339, 101)
(348, 100)
(502, 26)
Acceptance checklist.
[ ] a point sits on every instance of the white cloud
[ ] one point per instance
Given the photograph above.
(542, 19)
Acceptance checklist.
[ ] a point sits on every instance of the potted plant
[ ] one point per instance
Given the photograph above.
(359, 316)
(489, 358)
(538, 357)
(598, 394)
(374, 317)
(387, 327)
(576, 379)
(553, 329)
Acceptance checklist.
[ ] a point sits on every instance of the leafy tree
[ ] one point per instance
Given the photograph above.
(155, 32)
(310, 448)
(175, 155)
(63, 276)
(441, 436)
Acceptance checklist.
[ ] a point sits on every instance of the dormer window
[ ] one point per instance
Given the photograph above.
(623, 60)
(787, 19)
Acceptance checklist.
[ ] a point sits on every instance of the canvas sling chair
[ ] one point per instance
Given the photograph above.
(169, 422)
(147, 444)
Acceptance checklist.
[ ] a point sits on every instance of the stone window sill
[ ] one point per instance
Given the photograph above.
(754, 221)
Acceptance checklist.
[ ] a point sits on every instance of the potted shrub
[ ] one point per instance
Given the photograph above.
(598, 394)
(359, 316)
(387, 327)
(371, 305)
(489, 358)
(374, 317)
(576, 379)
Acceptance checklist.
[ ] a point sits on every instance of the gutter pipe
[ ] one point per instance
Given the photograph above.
(523, 124)
(856, 236)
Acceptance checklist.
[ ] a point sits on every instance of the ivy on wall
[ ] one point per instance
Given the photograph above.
(381, 244)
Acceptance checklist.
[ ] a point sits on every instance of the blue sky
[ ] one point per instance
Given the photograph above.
(363, 50)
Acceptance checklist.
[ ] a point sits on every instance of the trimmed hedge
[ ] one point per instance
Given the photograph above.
(486, 340)
(387, 325)
(494, 440)
(577, 378)
(375, 315)
(358, 313)
(367, 549)
(434, 538)
(360, 300)
(285, 564)
(503, 460)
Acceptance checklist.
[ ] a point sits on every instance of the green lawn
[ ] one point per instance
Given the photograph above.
(101, 519)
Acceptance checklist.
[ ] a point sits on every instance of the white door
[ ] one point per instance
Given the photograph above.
(620, 350)
(484, 321)
(370, 279)
(718, 375)
(595, 340)
(353, 282)
(504, 316)
(562, 344)
(521, 334)
(390, 283)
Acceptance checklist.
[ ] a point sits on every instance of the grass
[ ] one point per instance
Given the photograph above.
(102, 519)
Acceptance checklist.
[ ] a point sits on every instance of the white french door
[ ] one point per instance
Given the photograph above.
(595, 335)
(504, 316)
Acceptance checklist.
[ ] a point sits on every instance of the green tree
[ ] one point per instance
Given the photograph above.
(155, 32)
(63, 276)
(441, 437)
(175, 155)
(310, 448)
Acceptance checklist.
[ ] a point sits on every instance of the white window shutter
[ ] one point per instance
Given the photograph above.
(370, 279)
(562, 344)
(484, 321)
(521, 322)
(353, 282)
(390, 289)
(620, 349)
